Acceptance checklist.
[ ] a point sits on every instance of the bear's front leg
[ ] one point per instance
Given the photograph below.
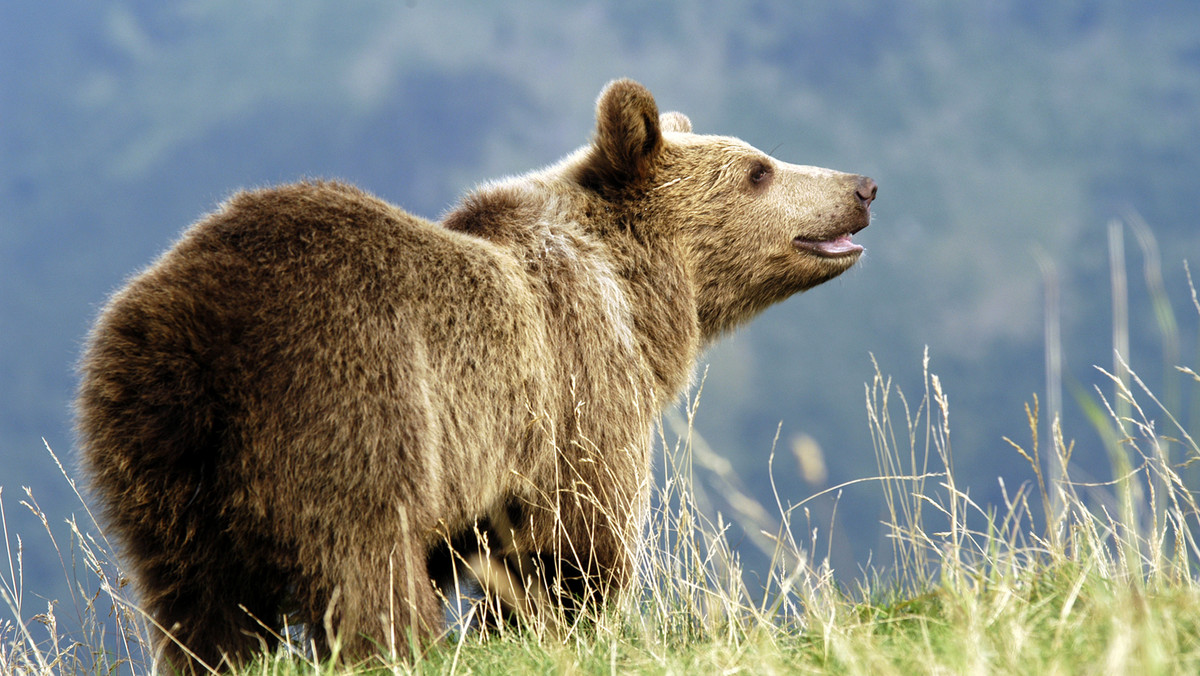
(552, 587)
(569, 548)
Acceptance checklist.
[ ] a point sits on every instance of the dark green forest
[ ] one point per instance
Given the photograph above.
(1014, 144)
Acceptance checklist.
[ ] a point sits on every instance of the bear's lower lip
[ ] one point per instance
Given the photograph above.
(829, 248)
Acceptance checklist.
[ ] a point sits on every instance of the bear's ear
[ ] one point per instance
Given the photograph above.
(628, 137)
(675, 122)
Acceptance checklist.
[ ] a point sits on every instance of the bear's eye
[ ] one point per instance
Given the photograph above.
(759, 173)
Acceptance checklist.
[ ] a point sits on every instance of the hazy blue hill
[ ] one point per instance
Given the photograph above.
(992, 128)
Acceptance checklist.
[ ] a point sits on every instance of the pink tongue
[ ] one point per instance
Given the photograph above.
(840, 245)
(833, 247)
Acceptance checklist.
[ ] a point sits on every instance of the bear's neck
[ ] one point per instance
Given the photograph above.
(582, 253)
(664, 310)
(655, 279)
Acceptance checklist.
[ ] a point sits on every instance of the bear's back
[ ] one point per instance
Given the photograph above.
(313, 325)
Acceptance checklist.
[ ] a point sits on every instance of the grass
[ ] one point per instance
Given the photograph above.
(1064, 577)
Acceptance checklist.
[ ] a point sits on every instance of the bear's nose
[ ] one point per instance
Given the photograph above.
(866, 190)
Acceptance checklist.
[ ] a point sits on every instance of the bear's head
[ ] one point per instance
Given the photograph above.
(753, 229)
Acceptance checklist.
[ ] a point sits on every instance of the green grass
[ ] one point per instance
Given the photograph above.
(1063, 578)
(1083, 593)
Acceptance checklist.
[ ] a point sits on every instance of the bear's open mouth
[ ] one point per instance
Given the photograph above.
(828, 248)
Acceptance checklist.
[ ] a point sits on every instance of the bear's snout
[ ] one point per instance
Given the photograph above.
(866, 191)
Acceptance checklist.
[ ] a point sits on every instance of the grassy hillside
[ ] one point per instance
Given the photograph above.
(1066, 577)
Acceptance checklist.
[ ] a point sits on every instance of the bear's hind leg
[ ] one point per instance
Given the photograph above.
(216, 616)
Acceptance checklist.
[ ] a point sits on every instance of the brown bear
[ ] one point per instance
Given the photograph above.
(314, 403)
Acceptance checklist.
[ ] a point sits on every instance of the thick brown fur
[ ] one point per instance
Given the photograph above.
(300, 407)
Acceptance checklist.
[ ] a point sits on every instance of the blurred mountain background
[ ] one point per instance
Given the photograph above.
(998, 132)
